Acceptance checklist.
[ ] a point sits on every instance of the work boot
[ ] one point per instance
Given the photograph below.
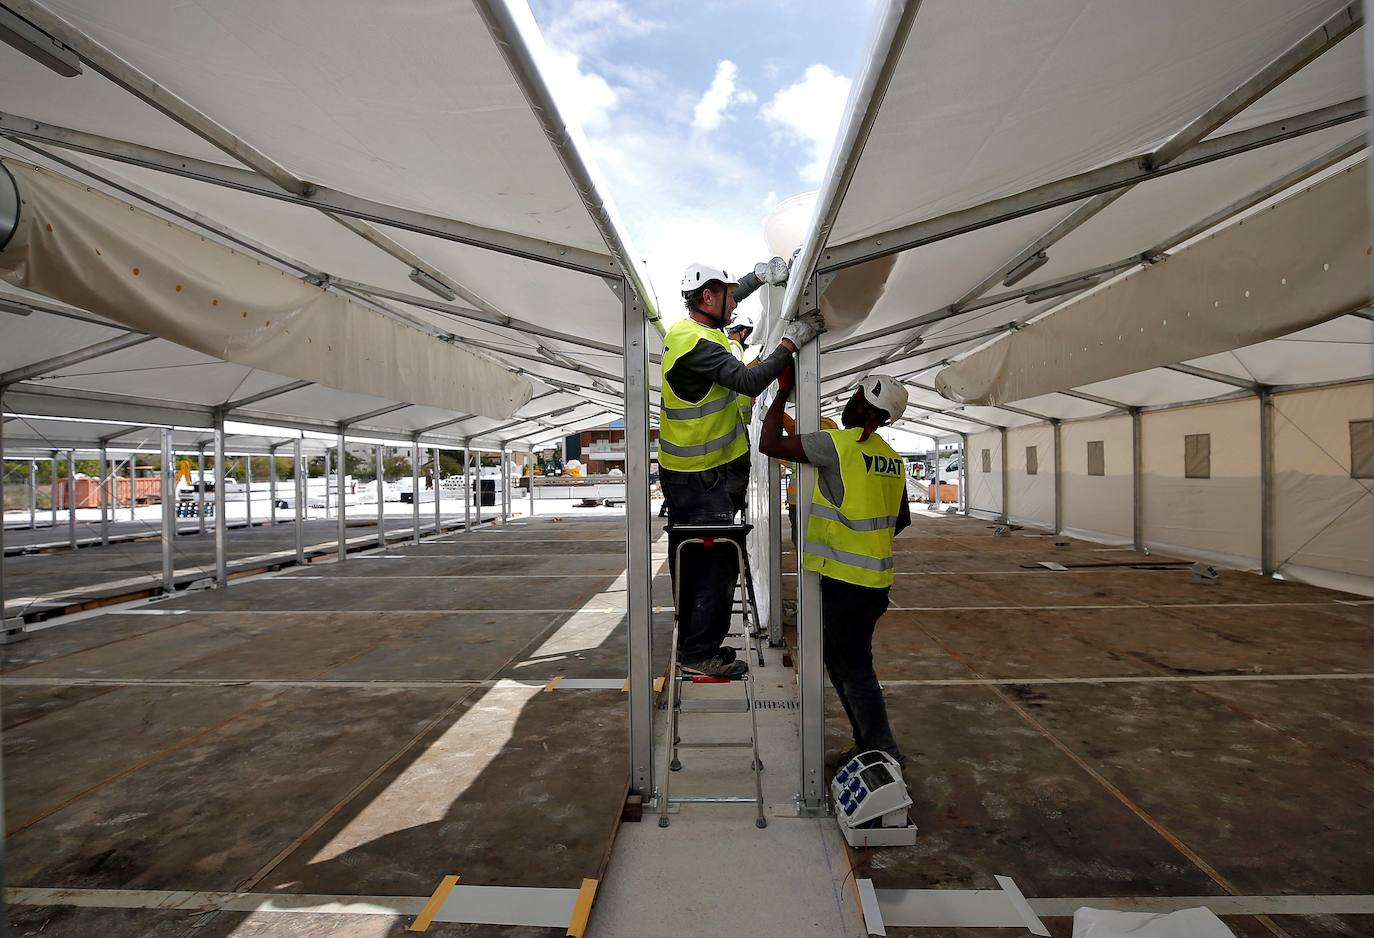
(715, 665)
(728, 653)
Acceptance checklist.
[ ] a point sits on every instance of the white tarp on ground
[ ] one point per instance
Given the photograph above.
(1299, 263)
(91, 251)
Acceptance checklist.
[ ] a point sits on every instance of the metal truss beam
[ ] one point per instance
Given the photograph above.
(67, 359)
(1119, 175)
(1214, 376)
(1105, 402)
(264, 395)
(46, 400)
(379, 412)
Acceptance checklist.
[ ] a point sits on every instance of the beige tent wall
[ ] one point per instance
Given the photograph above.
(1323, 519)
(1030, 498)
(1098, 508)
(985, 488)
(1217, 518)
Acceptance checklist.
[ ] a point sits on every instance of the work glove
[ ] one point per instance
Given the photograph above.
(773, 272)
(804, 328)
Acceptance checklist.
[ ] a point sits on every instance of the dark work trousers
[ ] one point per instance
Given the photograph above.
(850, 614)
(706, 590)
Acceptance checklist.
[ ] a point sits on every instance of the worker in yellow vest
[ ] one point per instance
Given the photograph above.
(703, 452)
(791, 428)
(738, 333)
(858, 506)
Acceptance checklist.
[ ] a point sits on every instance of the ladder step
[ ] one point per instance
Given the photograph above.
(716, 744)
(712, 706)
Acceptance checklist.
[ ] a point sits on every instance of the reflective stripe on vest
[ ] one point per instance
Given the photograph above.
(745, 402)
(852, 541)
(697, 435)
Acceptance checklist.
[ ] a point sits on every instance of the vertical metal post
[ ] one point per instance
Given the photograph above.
(131, 465)
(811, 636)
(343, 522)
(54, 492)
(378, 465)
(221, 522)
(104, 458)
(773, 519)
(638, 569)
(530, 460)
(299, 475)
(200, 489)
(327, 473)
(1266, 455)
(33, 495)
(169, 512)
(1137, 483)
(1058, 476)
(938, 494)
(415, 493)
(272, 485)
(248, 487)
(1006, 480)
(71, 498)
(964, 500)
(476, 496)
(438, 492)
(505, 485)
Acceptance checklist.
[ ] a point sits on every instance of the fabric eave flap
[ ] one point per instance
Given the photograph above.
(97, 253)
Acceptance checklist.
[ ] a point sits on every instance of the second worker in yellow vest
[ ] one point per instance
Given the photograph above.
(858, 505)
(703, 453)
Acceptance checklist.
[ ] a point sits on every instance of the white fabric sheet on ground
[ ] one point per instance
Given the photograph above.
(94, 252)
(1185, 923)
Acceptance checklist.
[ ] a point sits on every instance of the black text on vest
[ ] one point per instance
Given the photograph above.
(882, 465)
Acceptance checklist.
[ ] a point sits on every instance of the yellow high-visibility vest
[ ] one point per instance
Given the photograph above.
(694, 436)
(745, 402)
(852, 541)
(790, 426)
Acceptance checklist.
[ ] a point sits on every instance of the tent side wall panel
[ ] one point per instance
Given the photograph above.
(1215, 518)
(985, 488)
(1098, 507)
(1323, 518)
(1031, 495)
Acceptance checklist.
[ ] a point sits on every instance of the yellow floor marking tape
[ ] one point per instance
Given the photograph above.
(582, 910)
(432, 907)
(553, 682)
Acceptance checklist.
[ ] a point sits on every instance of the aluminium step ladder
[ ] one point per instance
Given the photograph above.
(713, 537)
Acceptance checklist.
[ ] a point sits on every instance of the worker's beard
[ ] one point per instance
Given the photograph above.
(855, 411)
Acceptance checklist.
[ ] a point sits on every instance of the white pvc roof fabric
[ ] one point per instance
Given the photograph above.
(410, 105)
(987, 100)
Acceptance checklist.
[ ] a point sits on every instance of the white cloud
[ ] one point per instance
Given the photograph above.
(587, 25)
(809, 111)
(710, 109)
(586, 96)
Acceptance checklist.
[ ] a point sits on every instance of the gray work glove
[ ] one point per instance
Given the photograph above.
(804, 328)
(773, 272)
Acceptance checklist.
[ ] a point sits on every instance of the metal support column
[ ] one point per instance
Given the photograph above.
(272, 486)
(1137, 484)
(327, 473)
(964, 500)
(33, 495)
(530, 462)
(343, 522)
(71, 498)
(1266, 455)
(53, 486)
(299, 475)
(1006, 480)
(248, 487)
(379, 468)
(810, 658)
(104, 467)
(939, 497)
(638, 565)
(505, 485)
(475, 496)
(1058, 476)
(200, 489)
(131, 464)
(438, 492)
(221, 522)
(169, 512)
(415, 493)
(773, 520)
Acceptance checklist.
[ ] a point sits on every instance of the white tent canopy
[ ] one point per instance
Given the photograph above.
(434, 196)
(1017, 188)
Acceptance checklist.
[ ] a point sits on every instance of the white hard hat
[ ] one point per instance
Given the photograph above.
(886, 393)
(742, 321)
(697, 276)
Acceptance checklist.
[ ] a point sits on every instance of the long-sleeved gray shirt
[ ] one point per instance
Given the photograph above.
(707, 363)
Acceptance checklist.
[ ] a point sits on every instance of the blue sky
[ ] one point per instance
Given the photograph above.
(702, 116)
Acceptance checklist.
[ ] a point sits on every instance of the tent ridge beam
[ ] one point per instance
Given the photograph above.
(324, 199)
(75, 357)
(379, 412)
(1217, 376)
(264, 395)
(1122, 174)
(1095, 399)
